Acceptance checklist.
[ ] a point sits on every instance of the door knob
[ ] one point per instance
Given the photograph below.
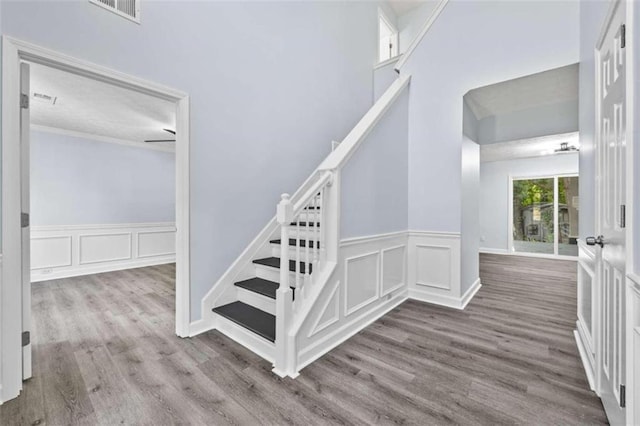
(592, 241)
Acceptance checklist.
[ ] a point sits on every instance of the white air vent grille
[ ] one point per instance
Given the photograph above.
(129, 9)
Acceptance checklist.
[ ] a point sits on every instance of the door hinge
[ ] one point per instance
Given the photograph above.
(24, 220)
(26, 338)
(623, 396)
(24, 101)
(623, 36)
(623, 215)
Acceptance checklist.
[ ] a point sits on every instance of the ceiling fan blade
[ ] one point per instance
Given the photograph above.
(160, 140)
(173, 132)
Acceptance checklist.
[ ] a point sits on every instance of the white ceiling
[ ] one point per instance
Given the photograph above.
(92, 107)
(545, 88)
(527, 148)
(400, 7)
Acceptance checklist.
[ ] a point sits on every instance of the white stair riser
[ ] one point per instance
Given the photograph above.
(256, 300)
(246, 338)
(273, 274)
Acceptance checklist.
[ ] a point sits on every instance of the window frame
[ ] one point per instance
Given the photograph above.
(382, 16)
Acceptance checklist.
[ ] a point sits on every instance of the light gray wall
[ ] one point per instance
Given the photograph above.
(410, 24)
(469, 122)
(470, 227)
(382, 79)
(374, 181)
(552, 119)
(494, 192)
(271, 84)
(77, 181)
(469, 46)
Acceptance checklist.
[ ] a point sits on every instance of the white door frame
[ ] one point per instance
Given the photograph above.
(13, 52)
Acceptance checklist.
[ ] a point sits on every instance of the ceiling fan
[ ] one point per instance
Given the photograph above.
(173, 132)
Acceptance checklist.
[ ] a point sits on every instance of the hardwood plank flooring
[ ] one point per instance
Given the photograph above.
(105, 353)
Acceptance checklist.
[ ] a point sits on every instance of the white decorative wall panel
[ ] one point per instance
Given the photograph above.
(393, 269)
(433, 266)
(50, 252)
(156, 243)
(361, 281)
(67, 251)
(104, 248)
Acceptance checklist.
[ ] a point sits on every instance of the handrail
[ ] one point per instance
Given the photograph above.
(352, 141)
(425, 29)
(311, 192)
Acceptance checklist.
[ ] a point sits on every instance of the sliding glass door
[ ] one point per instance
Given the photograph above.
(545, 215)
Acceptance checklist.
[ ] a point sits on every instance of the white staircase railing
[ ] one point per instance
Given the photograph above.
(310, 258)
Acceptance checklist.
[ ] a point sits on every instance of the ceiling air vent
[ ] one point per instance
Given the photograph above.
(129, 9)
(47, 99)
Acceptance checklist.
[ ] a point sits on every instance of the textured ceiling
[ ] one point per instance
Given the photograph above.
(93, 107)
(527, 148)
(545, 88)
(400, 7)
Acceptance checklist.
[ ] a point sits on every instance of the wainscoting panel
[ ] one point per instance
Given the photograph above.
(353, 297)
(156, 243)
(434, 268)
(67, 251)
(104, 248)
(362, 275)
(51, 252)
(393, 269)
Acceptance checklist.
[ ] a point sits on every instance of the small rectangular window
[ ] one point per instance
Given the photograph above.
(388, 38)
(129, 9)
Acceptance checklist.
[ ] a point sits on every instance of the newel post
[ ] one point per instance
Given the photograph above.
(283, 364)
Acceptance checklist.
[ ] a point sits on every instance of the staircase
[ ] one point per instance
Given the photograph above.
(274, 288)
(255, 307)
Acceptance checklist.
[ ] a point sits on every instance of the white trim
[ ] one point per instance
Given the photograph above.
(585, 360)
(470, 293)
(198, 327)
(98, 138)
(425, 29)
(387, 62)
(435, 234)
(250, 340)
(317, 327)
(13, 52)
(371, 238)
(106, 226)
(446, 300)
(489, 250)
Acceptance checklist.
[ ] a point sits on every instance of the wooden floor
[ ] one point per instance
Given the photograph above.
(105, 353)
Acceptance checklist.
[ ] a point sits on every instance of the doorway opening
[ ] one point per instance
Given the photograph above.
(15, 352)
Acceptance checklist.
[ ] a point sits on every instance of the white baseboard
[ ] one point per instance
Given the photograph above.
(200, 326)
(75, 250)
(471, 291)
(488, 250)
(585, 360)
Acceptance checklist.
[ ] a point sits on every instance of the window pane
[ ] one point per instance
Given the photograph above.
(568, 205)
(533, 216)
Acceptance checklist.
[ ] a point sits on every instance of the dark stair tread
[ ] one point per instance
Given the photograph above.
(261, 286)
(312, 208)
(310, 224)
(260, 322)
(274, 262)
(294, 242)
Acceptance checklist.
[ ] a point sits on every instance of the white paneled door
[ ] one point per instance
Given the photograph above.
(611, 217)
(26, 229)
